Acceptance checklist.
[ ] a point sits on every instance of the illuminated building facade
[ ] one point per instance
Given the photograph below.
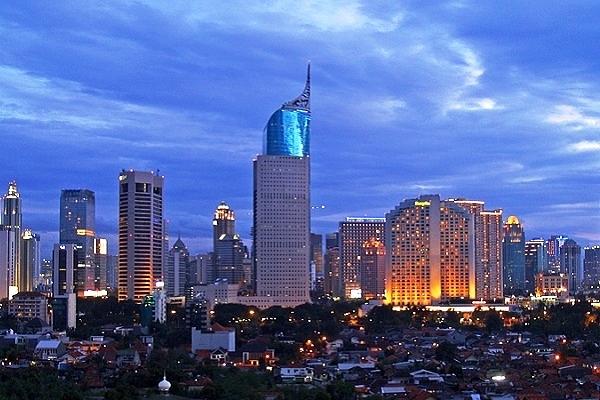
(30, 261)
(488, 249)
(536, 260)
(11, 223)
(141, 244)
(101, 266)
(229, 252)
(550, 284)
(430, 252)
(77, 226)
(553, 246)
(372, 269)
(281, 220)
(513, 252)
(353, 234)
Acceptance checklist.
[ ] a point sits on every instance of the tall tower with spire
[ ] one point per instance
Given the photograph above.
(10, 241)
(282, 206)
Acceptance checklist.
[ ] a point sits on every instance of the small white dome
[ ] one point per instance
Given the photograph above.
(164, 385)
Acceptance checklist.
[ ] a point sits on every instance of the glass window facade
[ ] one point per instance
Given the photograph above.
(288, 133)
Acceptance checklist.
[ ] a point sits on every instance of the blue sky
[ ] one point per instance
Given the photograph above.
(493, 101)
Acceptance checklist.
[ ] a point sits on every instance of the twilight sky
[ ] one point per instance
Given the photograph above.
(495, 101)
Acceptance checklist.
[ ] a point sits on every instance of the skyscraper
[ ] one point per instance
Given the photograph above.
(488, 249)
(78, 226)
(536, 260)
(430, 252)
(282, 207)
(591, 268)
(101, 266)
(354, 233)
(30, 261)
(513, 252)
(331, 265)
(553, 246)
(229, 252)
(372, 269)
(140, 234)
(11, 223)
(571, 264)
(64, 260)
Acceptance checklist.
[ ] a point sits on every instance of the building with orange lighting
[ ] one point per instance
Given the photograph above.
(141, 233)
(354, 232)
(488, 249)
(372, 269)
(430, 252)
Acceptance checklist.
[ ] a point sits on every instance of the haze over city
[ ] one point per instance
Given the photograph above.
(493, 102)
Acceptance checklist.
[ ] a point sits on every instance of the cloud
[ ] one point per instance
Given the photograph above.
(571, 117)
(585, 146)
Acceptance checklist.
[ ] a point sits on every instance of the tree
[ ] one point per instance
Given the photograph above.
(446, 351)
(493, 321)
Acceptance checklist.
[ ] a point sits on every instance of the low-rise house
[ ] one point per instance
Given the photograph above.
(294, 374)
(128, 357)
(50, 349)
(423, 376)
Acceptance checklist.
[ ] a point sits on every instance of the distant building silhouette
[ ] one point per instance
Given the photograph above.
(591, 268)
(571, 265)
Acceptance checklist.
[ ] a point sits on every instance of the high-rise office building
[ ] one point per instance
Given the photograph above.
(332, 280)
(536, 260)
(331, 265)
(100, 266)
(223, 222)
(372, 269)
(591, 268)
(78, 226)
(281, 220)
(141, 232)
(553, 246)
(176, 269)
(430, 252)
(353, 234)
(513, 253)
(571, 265)
(316, 252)
(229, 252)
(10, 222)
(65, 262)
(316, 263)
(30, 261)
(488, 249)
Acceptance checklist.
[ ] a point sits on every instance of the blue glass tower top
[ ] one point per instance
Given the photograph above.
(288, 131)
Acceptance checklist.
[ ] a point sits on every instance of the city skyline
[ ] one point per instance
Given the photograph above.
(478, 101)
